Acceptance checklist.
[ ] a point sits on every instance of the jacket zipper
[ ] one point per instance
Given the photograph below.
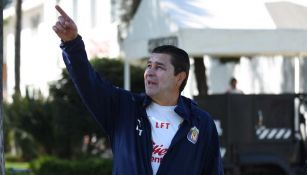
(183, 128)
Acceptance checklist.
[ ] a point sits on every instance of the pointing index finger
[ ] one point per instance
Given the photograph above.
(62, 12)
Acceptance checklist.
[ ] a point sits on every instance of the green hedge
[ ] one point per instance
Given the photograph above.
(7, 171)
(54, 166)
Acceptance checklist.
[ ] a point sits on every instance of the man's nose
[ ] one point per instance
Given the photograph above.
(150, 72)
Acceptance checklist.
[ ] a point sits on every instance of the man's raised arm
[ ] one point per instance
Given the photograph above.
(101, 98)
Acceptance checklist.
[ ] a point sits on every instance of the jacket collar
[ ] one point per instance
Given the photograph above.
(146, 101)
(183, 108)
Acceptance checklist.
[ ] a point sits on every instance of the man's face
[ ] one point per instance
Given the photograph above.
(233, 84)
(159, 77)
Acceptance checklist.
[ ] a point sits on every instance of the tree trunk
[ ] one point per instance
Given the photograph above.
(200, 74)
(2, 169)
(17, 46)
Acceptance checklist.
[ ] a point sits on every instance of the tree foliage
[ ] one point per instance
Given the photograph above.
(28, 123)
(123, 12)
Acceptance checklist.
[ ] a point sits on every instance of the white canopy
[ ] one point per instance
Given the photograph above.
(219, 27)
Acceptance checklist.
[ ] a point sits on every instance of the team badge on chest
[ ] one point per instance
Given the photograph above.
(193, 135)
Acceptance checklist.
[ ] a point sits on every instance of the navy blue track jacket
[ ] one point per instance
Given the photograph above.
(122, 114)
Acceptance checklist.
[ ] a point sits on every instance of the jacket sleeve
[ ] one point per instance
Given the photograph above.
(215, 164)
(99, 96)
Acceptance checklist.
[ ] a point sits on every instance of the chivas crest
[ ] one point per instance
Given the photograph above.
(193, 135)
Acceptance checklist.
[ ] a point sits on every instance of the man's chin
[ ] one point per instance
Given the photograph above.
(150, 93)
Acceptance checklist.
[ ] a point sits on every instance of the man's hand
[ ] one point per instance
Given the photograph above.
(65, 27)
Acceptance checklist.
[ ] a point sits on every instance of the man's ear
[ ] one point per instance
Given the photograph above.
(180, 78)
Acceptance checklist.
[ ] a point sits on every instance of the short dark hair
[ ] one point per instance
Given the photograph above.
(232, 80)
(179, 59)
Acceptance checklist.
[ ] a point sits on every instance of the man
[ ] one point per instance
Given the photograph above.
(159, 132)
(233, 87)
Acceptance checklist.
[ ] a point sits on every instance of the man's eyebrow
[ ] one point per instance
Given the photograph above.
(160, 63)
(157, 62)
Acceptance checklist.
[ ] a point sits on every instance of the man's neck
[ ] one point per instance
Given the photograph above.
(166, 100)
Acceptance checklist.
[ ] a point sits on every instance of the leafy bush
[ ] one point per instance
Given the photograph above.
(54, 166)
(28, 127)
(7, 171)
(16, 168)
(12, 158)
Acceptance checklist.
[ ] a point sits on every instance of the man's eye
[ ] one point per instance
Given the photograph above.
(160, 67)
